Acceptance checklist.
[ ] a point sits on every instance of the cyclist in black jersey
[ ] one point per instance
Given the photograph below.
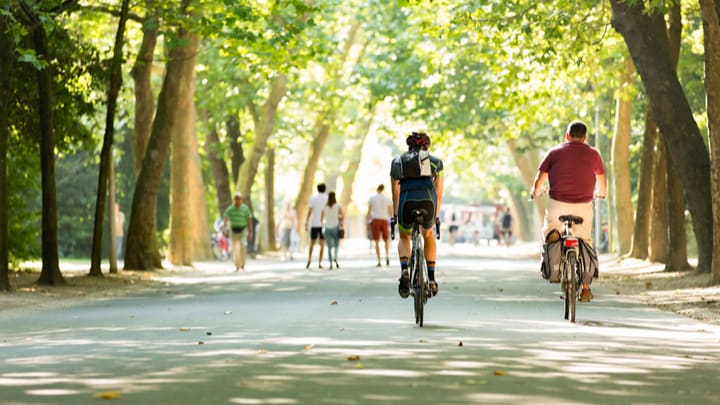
(417, 183)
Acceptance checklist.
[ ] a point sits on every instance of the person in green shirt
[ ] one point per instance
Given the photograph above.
(239, 216)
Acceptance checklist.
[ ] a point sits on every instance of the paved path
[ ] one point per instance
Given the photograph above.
(280, 334)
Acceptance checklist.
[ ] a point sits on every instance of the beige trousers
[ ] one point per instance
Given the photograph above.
(557, 208)
(239, 248)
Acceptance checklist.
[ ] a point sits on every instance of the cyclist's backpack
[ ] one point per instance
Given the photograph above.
(413, 164)
(550, 261)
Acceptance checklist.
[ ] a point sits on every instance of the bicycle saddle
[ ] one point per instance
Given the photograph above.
(571, 218)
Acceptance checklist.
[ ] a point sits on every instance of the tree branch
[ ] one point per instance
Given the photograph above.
(113, 12)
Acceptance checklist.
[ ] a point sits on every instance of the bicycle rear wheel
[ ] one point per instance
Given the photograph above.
(572, 284)
(419, 288)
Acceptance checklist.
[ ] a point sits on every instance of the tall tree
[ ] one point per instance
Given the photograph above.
(645, 35)
(677, 259)
(711, 29)
(237, 157)
(264, 123)
(324, 123)
(218, 168)
(6, 58)
(641, 231)
(199, 224)
(658, 217)
(141, 74)
(269, 227)
(114, 84)
(50, 273)
(621, 156)
(142, 252)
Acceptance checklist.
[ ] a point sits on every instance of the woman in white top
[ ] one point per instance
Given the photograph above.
(332, 216)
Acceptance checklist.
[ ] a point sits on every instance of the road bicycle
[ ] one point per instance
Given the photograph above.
(417, 267)
(572, 266)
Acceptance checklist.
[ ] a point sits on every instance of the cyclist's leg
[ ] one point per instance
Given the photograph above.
(403, 246)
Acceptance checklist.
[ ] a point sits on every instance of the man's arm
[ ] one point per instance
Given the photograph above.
(601, 182)
(395, 186)
(307, 218)
(540, 178)
(439, 181)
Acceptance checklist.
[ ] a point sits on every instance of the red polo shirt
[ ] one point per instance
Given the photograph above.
(571, 169)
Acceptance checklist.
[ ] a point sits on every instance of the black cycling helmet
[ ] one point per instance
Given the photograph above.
(418, 140)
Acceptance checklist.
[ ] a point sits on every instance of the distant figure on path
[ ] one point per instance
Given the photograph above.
(378, 218)
(332, 217)
(119, 230)
(286, 227)
(314, 222)
(239, 216)
(506, 224)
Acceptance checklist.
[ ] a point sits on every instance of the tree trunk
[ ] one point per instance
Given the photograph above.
(264, 126)
(711, 29)
(527, 171)
(112, 223)
(353, 163)
(6, 60)
(50, 273)
(237, 158)
(271, 243)
(658, 216)
(646, 37)
(144, 99)
(322, 132)
(219, 170)
(677, 237)
(641, 232)
(114, 84)
(199, 224)
(180, 247)
(142, 252)
(622, 194)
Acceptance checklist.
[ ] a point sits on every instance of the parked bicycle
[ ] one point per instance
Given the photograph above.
(220, 246)
(419, 282)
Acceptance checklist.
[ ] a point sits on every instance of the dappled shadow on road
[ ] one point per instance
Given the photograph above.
(279, 335)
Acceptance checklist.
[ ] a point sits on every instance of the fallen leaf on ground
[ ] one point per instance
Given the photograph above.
(500, 373)
(460, 344)
(208, 333)
(262, 351)
(354, 357)
(200, 342)
(184, 329)
(422, 341)
(309, 347)
(648, 285)
(107, 395)
(333, 303)
(359, 365)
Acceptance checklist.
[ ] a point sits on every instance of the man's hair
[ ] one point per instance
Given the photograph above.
(321, 188)
(380, 188)
(577, 129)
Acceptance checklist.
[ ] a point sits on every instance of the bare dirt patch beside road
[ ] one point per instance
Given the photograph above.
(685, 293)
(27, 294)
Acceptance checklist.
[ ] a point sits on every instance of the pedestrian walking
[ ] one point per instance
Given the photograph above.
(286, 227)
(119, 230)
(313, 221)
(506, 224)
(332, 216)
(239, 218)
(378, 219)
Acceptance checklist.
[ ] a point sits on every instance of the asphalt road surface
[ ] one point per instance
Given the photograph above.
(281, 334)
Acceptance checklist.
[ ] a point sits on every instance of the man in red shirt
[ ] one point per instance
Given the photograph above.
(573, 169)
